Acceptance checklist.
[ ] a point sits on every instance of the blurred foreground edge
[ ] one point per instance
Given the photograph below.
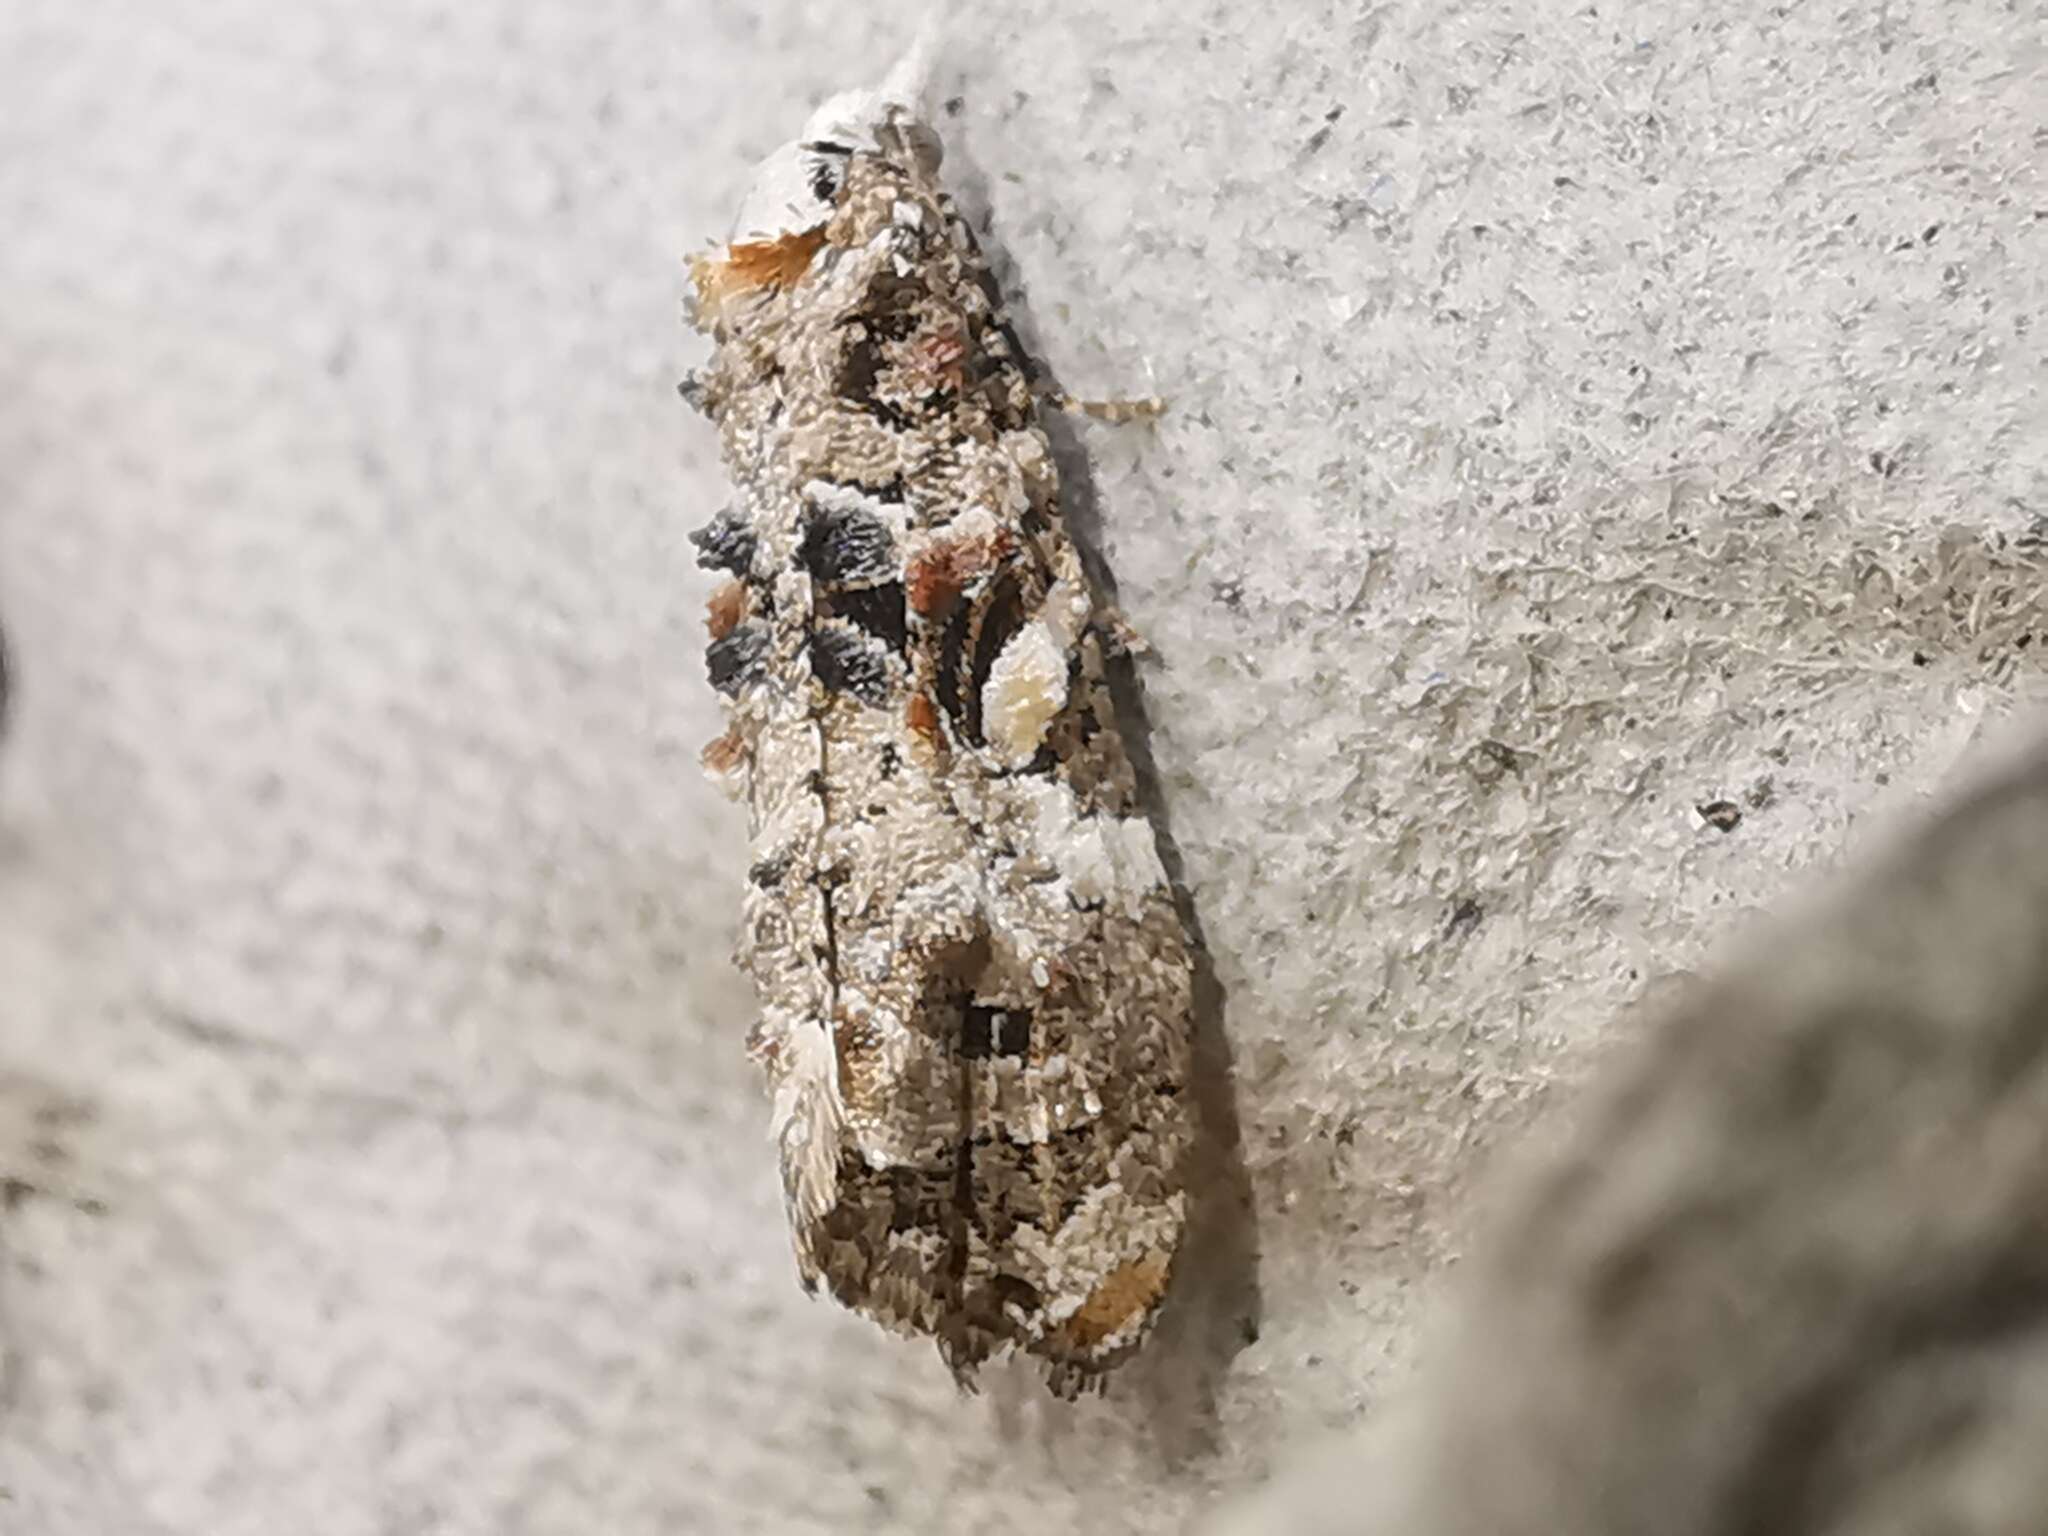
(1788, 1272)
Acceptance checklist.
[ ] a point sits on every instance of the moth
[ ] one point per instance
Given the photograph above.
(974, 981)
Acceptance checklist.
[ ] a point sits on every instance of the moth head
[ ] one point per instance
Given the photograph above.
(795, 188)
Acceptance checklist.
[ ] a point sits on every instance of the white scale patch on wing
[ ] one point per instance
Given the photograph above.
(1108, 859)
(1027, 685)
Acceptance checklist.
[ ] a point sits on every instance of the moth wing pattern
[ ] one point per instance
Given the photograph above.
(975, 982)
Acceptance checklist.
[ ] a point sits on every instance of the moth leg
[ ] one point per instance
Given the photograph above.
(1116, 412)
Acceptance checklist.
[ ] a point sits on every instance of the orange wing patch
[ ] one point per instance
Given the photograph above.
(1125, 1296)
(752, 266)
(942, 572)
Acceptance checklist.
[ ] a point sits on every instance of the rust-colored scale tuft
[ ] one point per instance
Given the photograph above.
(728, 605)
(1124, 1297)
(751, 266)
(941, 573)
(723, 754)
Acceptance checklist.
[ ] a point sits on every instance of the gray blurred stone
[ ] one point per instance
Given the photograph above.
(1790, 1273)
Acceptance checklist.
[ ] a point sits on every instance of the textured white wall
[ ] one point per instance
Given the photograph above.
(1579, 413)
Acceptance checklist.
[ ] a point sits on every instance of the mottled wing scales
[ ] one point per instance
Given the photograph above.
(975, 985)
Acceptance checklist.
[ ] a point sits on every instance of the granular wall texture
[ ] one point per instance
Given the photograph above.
(1602, 474)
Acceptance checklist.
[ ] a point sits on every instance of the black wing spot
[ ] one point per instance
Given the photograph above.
(877, 610)
(726, 543)
(846, 661)
(846, 544)
(987, 1031)
(737, 660)
(946, 678)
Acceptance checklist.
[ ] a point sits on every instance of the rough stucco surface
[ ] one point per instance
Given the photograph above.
(1579, 415)
(1786, 1274)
